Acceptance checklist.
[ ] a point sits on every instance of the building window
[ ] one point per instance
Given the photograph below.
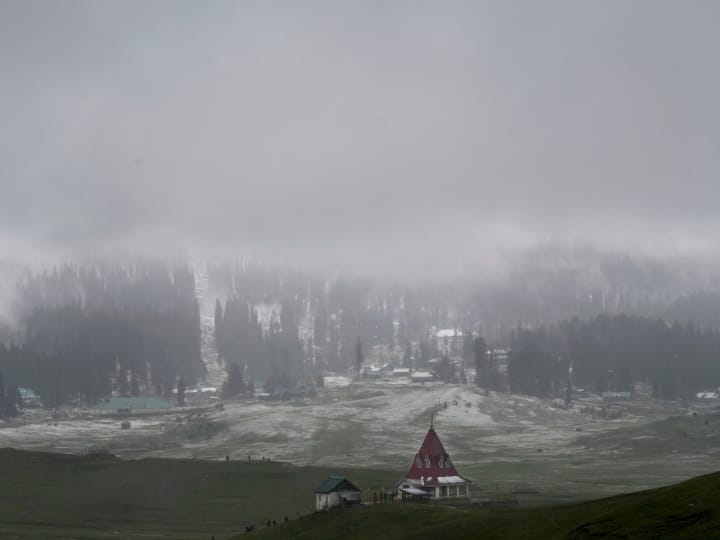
(427, 461)
(418, 461)
(443, 491)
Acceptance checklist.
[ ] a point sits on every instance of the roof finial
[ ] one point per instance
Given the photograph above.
(432, 418)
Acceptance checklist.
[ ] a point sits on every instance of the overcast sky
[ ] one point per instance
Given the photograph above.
(358, 130)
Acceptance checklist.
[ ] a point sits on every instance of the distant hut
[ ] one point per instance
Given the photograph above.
(335, 491)
(401, 373)
(132, 405)
(422, 376)
(374, 373)
(432, 475)
(616, 396)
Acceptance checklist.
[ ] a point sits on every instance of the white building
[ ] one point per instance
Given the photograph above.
(336, 491)
(432, 474)
(401, 372)
(422, 376)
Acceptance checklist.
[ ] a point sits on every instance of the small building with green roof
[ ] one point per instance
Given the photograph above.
(127, 405)
(334, 491)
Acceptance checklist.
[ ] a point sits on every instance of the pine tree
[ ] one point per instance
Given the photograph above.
(407, 357)
(446, 370)
(218, 324)
(467, 352)
(134, 384)
(12, 401)
(122, 383)
(20, 404)
(181, 392)
(234, 385)
(480, 352)
(359, 357)
(2, 395)
(310, 355)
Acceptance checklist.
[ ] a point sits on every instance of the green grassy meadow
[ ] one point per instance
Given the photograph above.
(690, 511)
(56, 496)
(47, 495)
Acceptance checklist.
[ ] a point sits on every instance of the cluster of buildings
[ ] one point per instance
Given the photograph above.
(403, 373)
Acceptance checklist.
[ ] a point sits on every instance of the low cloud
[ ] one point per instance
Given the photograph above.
(418, 137)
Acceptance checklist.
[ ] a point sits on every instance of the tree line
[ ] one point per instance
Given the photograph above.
(252, 350)
(86, 331)
(608, 353)
(89, 331)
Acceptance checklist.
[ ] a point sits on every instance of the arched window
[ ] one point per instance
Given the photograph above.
(427, 461)
(418, 461)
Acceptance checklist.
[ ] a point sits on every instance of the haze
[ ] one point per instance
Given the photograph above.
(358, 133)
(262, 259)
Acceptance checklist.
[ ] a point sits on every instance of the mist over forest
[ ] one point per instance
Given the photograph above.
(81, 332)
(287, 237)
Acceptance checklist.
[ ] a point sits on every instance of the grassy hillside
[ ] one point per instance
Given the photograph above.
(503, 442)
(44, 495)
(690, 510)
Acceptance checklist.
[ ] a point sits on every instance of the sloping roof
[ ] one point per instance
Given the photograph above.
(335, 483)
(135, 403)
(432, 463)
(448, 332)
(416, 491)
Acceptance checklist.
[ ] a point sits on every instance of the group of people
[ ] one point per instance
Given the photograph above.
(227, 458)
(382, 497)
(273, 523)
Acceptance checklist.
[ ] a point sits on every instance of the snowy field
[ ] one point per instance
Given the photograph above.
(502, 442)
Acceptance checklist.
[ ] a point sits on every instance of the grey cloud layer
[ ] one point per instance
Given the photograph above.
(370, 127)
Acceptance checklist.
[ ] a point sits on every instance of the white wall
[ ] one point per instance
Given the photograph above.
(456, 490)
(325, 501)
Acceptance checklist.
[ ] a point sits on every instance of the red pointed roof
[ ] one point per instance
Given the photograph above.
(431, 461)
